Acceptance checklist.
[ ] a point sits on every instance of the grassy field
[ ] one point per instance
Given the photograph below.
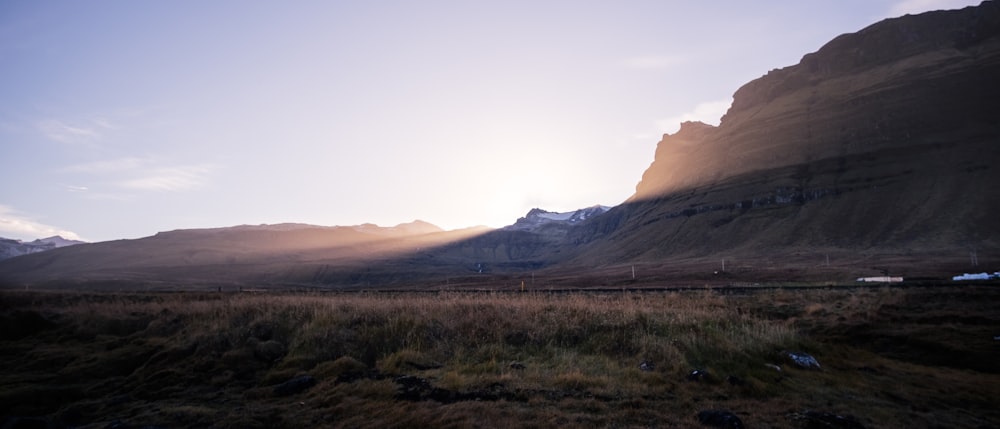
(900, 357)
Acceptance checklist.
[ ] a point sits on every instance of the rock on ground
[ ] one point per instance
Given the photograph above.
(720, 419)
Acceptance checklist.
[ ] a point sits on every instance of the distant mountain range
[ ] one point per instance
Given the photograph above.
(291, 254)
(10, 248)
(412, 228)
(875, 155)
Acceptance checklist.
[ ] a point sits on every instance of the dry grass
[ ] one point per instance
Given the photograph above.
(891, 358)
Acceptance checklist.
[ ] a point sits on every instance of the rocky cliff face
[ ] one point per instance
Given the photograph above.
(928, 79)
(883, 141)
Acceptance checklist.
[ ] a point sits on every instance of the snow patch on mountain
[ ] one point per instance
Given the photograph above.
(538, 217)
(10, 248)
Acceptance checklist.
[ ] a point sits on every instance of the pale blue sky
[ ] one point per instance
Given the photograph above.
(119, 119)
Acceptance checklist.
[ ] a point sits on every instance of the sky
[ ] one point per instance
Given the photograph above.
(121, 119)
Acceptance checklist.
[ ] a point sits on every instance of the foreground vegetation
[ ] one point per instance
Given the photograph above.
(898, 357)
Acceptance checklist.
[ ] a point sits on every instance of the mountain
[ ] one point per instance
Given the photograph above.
(10, 248)
(57, 241)
(242, 254)
(894, 87)
(302, 255)
(877, 154)
(411, 228)
(538, 217)
(881, 149)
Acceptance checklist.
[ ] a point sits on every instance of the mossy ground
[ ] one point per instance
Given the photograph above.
(899, 357)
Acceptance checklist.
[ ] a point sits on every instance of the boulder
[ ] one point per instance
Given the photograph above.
(412, 388)
(803, 360)
(720, 419)
(698, 375)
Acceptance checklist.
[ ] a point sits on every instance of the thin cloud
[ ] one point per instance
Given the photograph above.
(146, 174)
(81, 132)
(86, 193)
(170, 179)
(19, 226)
(66, 133)
(108, 166)
(105, 123)
(919, 6)
(709, 112)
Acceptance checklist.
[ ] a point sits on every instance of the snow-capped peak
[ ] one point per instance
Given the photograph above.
(57, 241)
(537, 217)
(10, 248)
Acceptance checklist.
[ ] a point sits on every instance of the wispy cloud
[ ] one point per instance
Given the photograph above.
(78, 131)
(109, 166)
(147, 174)
(653, 62)
(709, 112)
(105, 123)
(64, 132)
(178, 178)
(919, 6)
(17, 225)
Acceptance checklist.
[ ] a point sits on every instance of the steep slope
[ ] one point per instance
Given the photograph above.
(900, 83)
(883, 142)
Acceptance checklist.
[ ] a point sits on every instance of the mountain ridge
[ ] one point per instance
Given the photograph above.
(290, 254)
(873, 145)
(536, 217)
(875, 154)
(10, 248)
(790, 102)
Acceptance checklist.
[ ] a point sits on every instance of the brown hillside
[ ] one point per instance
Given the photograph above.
(903, 82)
(883, 142)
